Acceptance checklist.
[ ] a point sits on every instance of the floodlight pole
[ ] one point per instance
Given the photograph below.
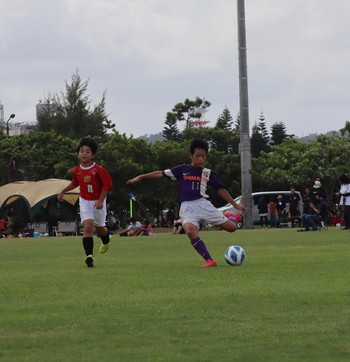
(246, 177)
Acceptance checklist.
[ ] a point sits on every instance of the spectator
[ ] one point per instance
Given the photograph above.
(281, 211)
(272, 213)
(318, 189)
(344, 194)
(306, 200)
(170, 217)
(155, 222)
(130, 230)
(177, 228)
(319, 212)
(263, 211)
(294, 207)
(112, 221)
(145, 229)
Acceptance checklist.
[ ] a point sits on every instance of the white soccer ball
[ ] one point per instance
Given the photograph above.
(234, 255)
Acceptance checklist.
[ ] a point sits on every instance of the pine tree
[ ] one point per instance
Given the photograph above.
(260, 137)
(257, 141)
(278, 133)
(263, 129)
(171, 131)
(237, 125)
(224, 139)
(69, 113)
(225, 120)
(189, 110)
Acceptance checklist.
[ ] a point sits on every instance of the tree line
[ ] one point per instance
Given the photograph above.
(278, 159)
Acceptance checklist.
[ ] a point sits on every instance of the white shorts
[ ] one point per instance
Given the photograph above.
(200, 210)
(88, 211)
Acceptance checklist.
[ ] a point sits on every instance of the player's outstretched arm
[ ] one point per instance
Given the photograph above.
(154, 174)
(223, 193)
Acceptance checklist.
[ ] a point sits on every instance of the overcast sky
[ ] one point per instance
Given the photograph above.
(151, 54)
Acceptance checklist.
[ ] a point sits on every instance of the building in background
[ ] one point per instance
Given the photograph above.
(2, 119)
(15, 128)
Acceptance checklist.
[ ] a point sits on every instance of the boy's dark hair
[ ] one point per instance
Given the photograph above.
(89, 143)
(344, 179)
(200, 144)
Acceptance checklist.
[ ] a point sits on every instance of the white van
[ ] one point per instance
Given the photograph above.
(256, 196)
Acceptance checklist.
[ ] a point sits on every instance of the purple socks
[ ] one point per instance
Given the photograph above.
(200, 247)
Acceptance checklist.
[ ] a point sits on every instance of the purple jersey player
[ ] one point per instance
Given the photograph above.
(193, 181)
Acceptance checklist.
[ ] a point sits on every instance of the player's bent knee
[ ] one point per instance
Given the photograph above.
(233, 229)
(229, 226)
(190, 230)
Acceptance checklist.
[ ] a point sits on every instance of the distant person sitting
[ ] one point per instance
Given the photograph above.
(318, 213)
(145, 229)
(307, 199)
(133, 225)
(177, 227)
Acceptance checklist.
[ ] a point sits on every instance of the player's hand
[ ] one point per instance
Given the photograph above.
(133, 180)
(60, 197)
(242, 208)
(98, 205)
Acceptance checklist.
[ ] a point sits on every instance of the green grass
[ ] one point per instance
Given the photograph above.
(147, 299)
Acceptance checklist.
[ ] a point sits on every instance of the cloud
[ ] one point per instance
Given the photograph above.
(151, 54)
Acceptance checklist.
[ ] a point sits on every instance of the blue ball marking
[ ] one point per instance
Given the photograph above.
(235, 255)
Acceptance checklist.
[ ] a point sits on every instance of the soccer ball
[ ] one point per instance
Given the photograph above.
(234, 255)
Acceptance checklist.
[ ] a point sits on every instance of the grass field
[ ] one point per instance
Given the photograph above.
(147, 299)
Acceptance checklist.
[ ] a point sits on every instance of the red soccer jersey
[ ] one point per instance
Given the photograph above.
(92, 180)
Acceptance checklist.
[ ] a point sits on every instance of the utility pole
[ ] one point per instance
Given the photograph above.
(7, 124)
(246, 176)
(10, 165)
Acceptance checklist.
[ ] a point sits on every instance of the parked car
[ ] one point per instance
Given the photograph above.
(255, 198)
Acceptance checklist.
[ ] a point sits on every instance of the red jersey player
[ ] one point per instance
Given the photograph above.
(95, 183)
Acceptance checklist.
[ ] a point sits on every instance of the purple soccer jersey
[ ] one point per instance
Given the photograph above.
(193, 181)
